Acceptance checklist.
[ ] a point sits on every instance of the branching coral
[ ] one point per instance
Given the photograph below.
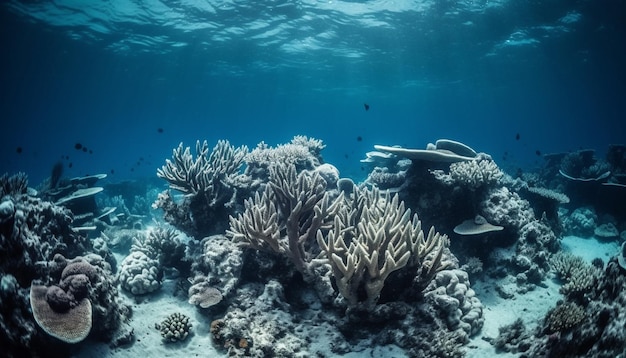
(565, 316)
(14, 184)
(287, 216)
(302, 152)
(578, 275)
(204, 173)
(475, 174)
(211, 183)
(176, 327)
(373, 238)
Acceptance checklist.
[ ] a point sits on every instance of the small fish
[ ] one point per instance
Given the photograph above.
(160, 130)
(517, 136)
(367, 106)
(19, 150)
(359, 139)
(538, 152)
(78, 146)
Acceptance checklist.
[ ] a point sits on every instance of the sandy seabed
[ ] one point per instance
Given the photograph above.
(531, 307)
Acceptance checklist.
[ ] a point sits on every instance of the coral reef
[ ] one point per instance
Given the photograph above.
(578, 276)
(60, 314)
(20, 337)
(565, 316)
(606, 231)
(589, 324)
(33, 231)
(202, 294)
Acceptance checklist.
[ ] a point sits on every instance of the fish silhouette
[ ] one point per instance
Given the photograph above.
(367, 106)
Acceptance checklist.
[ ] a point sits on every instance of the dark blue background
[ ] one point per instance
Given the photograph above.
(434, 77)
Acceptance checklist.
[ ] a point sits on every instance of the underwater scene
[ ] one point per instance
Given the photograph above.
(313, 178)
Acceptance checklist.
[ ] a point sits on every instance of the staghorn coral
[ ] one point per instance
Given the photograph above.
(296, 202)
(373, 238)
(212, 184)
(203, 173)
(314, 146)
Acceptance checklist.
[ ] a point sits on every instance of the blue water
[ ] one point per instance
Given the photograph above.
(109, 74)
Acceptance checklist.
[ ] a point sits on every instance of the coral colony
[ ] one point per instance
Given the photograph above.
(269, 251)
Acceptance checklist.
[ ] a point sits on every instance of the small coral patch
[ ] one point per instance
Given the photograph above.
(176, 327)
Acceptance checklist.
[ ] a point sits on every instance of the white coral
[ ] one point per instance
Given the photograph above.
(450, 291)
(475, 174)
(139, 274)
